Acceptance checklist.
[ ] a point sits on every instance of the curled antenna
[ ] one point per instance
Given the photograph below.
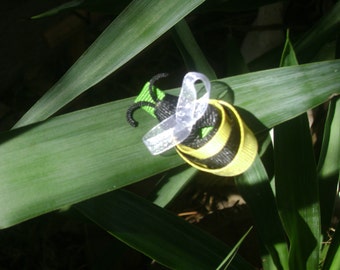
(140, 104)
(152, 82)
(133, 108)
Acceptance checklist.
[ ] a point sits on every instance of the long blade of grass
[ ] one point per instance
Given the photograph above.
(228, 260)
(255, 188)
(141, 23)
(157, 233)
(76, 156)
(295, 176)
(329, 163)
(66, 6)
(297, 191)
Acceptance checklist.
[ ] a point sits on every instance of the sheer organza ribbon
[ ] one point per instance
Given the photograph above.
(177, 127)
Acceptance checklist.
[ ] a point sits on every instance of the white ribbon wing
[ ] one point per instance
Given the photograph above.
(177, 127)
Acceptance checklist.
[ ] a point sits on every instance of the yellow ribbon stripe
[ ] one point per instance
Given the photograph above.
(217, 142)
(245, 155)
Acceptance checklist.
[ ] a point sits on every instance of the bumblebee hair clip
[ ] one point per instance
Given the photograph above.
(208, 134)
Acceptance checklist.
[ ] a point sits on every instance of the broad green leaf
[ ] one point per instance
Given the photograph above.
(295, 176)
(77, 156)
(157, 233)
(255, 188)
(297, 191)
(329, 163)
(258, 93)
(71, 158)
(141, 23)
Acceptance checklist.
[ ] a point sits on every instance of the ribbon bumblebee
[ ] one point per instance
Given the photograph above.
(208, 134)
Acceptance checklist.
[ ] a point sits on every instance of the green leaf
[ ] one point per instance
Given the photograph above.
(297, 191)
(77, 156)
(171, 184)
(288, 57)
(329, 163)
(296, 185)
(72, 158)
(157, 233)
(286, 101)
(141, 23)
(228, 260)
(60, 8)
(255, 188)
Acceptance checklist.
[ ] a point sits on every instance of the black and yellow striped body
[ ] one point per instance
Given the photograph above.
(219, 142)
(231, 148)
